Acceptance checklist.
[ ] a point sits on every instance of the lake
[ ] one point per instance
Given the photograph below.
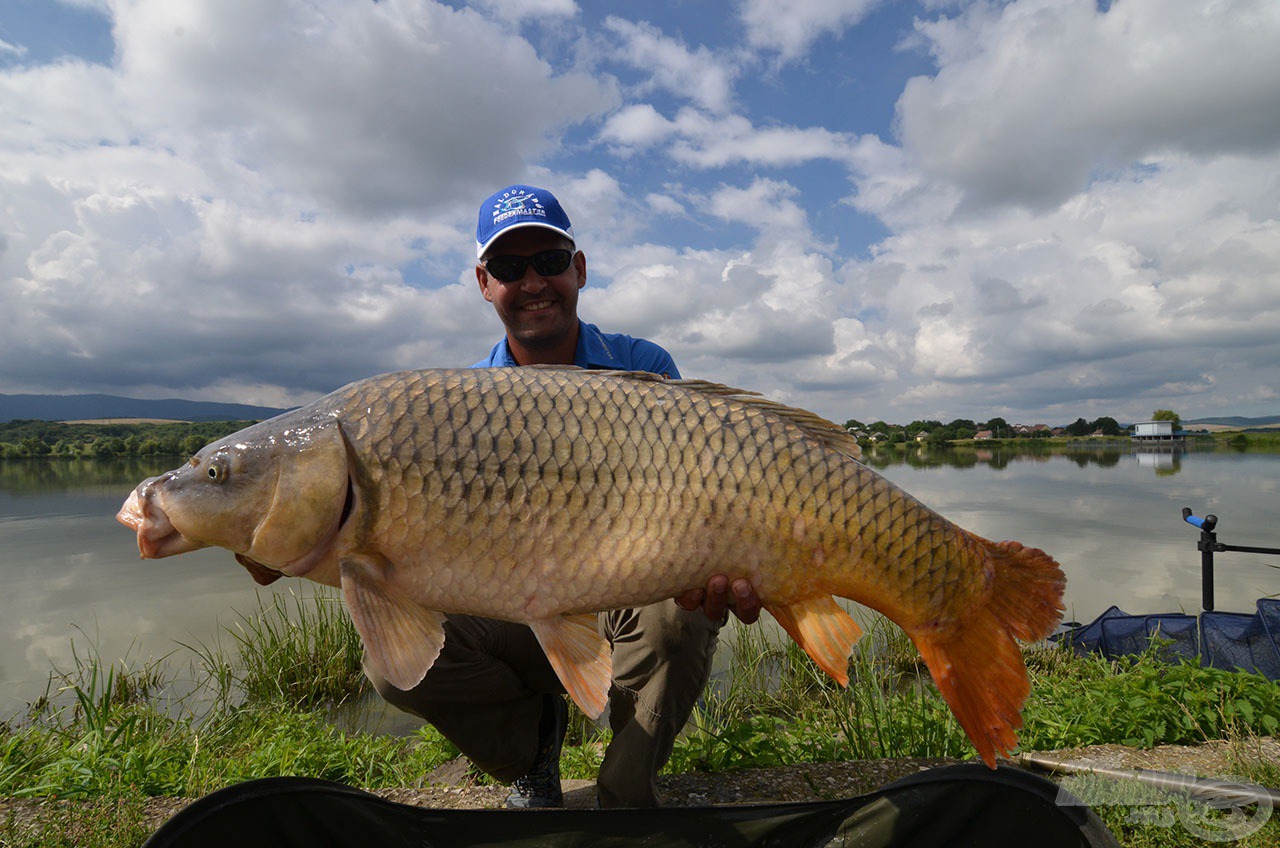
(1111, 517)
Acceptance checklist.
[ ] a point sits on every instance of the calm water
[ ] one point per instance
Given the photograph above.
(1111, 518)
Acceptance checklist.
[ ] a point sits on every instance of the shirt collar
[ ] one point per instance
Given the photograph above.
(591, 350)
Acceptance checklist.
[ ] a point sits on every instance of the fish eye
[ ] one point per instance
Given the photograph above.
(217, 471)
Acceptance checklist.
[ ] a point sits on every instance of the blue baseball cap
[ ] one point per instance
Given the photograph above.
(519, 206)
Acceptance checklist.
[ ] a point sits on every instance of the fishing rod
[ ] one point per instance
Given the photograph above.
(1208, 546)
(1231, 792)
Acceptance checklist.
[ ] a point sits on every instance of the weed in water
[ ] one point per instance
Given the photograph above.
(299, 651)
(778, 708)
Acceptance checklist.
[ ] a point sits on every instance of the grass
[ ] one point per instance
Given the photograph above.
(777, 708)
(299, 652)
(108, 736)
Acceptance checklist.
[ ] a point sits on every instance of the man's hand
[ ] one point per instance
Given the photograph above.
(721, 595)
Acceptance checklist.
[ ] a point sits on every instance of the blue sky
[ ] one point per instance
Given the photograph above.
(1039, 209)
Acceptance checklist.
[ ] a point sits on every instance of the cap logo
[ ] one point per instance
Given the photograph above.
(514, 203)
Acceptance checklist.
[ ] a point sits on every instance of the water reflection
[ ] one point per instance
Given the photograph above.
(1165, 462)
(36, 476)
(71, 572)
(1106, 455)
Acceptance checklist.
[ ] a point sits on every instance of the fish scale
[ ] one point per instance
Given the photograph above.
(542, 495)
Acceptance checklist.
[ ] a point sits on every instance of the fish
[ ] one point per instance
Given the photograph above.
(543, 495)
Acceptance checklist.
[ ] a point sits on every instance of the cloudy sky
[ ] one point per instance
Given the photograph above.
(1039, 209)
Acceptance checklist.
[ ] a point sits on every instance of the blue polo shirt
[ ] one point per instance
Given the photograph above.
(600, 350)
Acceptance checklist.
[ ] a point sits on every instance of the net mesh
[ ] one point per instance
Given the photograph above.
(1227, 640)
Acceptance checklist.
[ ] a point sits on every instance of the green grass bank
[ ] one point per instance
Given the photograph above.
(108, 735)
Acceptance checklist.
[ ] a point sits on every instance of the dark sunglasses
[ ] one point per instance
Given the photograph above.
(546, 263)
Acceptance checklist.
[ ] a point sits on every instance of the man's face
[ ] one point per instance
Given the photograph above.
(538, 312)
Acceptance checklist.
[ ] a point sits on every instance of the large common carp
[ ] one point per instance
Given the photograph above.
(542, 495)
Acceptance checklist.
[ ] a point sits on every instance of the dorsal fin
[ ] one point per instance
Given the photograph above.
(556, 366)
(830, 434)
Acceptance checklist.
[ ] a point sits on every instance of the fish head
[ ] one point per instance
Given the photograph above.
(274, 494)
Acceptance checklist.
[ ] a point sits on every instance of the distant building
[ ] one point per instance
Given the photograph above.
(982, 435)
(1154, 431)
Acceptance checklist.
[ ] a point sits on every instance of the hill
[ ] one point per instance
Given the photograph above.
(95, 407)
(1232, 422)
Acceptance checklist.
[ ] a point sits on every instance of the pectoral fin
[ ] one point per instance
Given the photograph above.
(262, 575)
(580, 657)
(825, 631)
(401, 639)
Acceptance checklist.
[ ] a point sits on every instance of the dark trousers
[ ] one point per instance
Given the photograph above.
(484, 693)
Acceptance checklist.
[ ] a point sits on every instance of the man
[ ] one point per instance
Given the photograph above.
(492, 691)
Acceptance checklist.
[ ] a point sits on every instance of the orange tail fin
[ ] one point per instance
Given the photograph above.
(977, 663)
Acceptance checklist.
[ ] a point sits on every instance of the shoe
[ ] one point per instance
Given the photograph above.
(541, 786)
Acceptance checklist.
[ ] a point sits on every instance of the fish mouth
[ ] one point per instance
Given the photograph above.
(157, 537)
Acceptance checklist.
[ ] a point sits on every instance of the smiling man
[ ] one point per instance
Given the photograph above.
(531, 271)
(492, 691)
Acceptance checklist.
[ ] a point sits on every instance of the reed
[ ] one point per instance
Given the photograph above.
(298, 651)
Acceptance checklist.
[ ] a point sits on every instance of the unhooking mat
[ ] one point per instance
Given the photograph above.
(956, 806)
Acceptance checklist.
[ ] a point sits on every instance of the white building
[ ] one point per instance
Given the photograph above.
(1153, 431)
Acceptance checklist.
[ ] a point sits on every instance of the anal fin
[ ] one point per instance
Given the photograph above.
(825, 631)
(401, 638)
(580, 657)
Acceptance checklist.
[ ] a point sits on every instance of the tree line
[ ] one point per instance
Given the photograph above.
(33, 438)
(936, 432)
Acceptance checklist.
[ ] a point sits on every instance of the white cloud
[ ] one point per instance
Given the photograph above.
(663, 204)
(716, 308)
(1125, 289)
(224, 212)
(704, 140)
(261, 200)
(101, 6)
(638, 125)
(1034, 99)
(767, 206)
(700, 75)
(789, 27)
(523, 10)
(715, 142)
(377, 108)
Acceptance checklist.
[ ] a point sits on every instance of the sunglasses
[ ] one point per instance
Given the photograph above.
(546, 263)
